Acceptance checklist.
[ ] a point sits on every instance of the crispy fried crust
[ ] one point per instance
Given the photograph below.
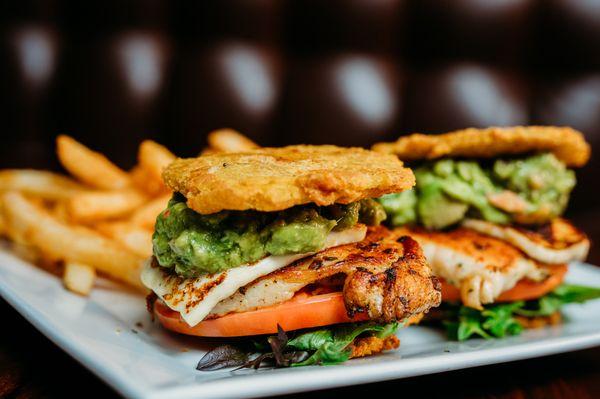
(540, 321)
(272, 179)
(565, 143)
(368, 346)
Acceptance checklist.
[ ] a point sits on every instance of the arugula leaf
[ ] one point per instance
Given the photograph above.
(388, 329)
(465, 323)
(571, 293)
(312, 340)
(331, 346)
(497, 321)
(562, 295)
(544, 306)
(328, 354)
(325, 346)
(493, 321)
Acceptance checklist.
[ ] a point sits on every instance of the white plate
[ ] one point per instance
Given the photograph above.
(103, 333)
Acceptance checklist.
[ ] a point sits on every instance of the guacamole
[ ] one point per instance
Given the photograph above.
(532, 190)
(192, 244)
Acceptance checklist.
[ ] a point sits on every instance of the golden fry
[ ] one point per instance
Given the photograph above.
(145, 216)
(134, 238)
(154, 157)
(39, 183)
(3, 226)
(79, 277)
(89, 166)
(229, 140)
(142, 179)
(61, 241)
(61, 212)
(101, 205)
(27, 252)
(209, 151)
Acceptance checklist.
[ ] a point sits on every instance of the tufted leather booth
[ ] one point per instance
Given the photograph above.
(351, 72)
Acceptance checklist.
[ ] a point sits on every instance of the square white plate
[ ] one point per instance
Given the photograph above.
(104, 333)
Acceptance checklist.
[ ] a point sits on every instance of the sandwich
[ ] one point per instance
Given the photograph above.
(285, 245)
(487, 211)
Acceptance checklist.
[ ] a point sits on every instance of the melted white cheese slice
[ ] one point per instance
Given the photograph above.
(577, 251)
(194, 298)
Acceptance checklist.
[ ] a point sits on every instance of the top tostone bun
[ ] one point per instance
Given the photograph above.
(565, 143)
(273, 179)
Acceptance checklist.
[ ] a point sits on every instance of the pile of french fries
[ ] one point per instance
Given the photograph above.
(97, 220)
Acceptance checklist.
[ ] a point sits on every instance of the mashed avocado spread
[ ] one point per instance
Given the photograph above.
(193, 244)
(530, 190)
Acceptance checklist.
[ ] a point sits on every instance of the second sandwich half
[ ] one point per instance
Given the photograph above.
(487, 211)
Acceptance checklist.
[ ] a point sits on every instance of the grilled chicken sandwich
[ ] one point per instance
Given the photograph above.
(283, 239)
(487, 210)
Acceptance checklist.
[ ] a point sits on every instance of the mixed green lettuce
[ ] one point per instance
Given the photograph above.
(331, 346)
(498, 320)
(323, 346)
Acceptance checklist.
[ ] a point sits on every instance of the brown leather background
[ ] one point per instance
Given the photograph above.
(351, 72)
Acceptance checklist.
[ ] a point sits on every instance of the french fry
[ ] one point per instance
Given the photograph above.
(94, 206)
(137, 239)
(89, 166)
(209, 151)
(39, 183)
(79, 277)
(27, 252)
(154, 157)
(229, 140)
(59, 240)
(60, 212)
(145, 215)
(146, 183)
(3, 226)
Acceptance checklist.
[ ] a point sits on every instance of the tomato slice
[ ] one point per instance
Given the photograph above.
(302, 311)
(524, 290)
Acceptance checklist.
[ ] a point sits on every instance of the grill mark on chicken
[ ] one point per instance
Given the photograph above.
(388, 279)
(200, 293)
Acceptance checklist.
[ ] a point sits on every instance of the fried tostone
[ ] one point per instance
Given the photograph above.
(368, 346)
(273, 179)
(567, 144)
(553, 319)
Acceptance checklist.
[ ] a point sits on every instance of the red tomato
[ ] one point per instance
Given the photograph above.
(524, 290)
(302, 311)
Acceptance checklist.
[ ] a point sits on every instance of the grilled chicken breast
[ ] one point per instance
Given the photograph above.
(556, 242)
(387, 278)
(194, 298)
(482, 267)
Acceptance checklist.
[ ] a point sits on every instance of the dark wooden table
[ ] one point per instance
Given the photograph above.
(32, 367)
